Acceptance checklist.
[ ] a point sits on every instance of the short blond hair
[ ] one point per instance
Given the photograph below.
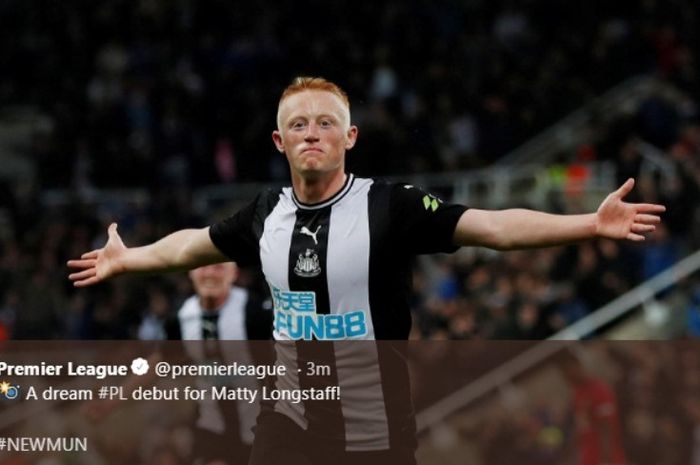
(302, 83)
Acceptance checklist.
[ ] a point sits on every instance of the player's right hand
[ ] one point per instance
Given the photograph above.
(98, 265)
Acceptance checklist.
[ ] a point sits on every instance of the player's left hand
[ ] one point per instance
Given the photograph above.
(616, 219)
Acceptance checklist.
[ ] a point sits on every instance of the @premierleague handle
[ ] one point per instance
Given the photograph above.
(164, 369)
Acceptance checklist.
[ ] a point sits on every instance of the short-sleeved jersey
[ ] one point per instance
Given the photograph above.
(241, 317)
(340, 270)
(349, 257)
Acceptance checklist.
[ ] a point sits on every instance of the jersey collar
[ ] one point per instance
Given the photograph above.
(336, 197)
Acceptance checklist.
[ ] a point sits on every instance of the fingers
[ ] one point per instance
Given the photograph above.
(643, 224)
(88, 275)
(635, 237)
(625, 188)
(87, 282)
(82, 275)
(650, 208)
(642, 228)
(87, 264)
(90, 263)
(647, 219)
(92, 254)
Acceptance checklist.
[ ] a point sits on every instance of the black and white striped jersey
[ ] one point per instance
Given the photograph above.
(340, 271)
(241, 317)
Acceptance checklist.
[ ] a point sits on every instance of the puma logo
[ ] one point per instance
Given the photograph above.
(307, 231)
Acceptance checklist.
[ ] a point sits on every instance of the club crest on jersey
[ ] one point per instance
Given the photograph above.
(307, 265)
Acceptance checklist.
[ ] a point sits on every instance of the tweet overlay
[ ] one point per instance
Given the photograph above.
(483, 401)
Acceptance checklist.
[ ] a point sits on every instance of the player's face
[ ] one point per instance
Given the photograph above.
(314, 132)
(213, 282)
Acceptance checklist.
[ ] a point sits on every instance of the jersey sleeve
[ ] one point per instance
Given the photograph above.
(235, 236)
(422, 221)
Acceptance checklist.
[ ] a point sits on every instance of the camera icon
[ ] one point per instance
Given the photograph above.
(12, 393)
(9, 391)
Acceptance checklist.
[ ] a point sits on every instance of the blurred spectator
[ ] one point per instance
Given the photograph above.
(172, 96)
(659, 254)
(596, 416)
(152, 326)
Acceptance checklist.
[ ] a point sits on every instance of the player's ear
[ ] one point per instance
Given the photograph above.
(277, 139)
(351, 137)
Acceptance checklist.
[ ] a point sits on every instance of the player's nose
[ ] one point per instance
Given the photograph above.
(312, 132)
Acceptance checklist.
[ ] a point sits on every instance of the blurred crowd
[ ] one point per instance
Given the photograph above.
(531, 294)
(655, 388)
(174, 95)
(158, 92)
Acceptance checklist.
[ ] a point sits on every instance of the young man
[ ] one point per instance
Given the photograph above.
(336, 252)
(218, 312)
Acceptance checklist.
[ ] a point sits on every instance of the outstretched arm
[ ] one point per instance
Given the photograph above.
(521, 229)
(181, 250)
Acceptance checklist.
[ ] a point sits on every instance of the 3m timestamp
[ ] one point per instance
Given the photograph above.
(314, 369)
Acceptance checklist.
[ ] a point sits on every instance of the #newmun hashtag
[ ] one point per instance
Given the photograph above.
(43, 444)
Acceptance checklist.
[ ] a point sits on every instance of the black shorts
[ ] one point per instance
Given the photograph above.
(278, 440)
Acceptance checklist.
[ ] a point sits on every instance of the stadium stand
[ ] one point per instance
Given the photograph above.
(168, 98)
(157, 114)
